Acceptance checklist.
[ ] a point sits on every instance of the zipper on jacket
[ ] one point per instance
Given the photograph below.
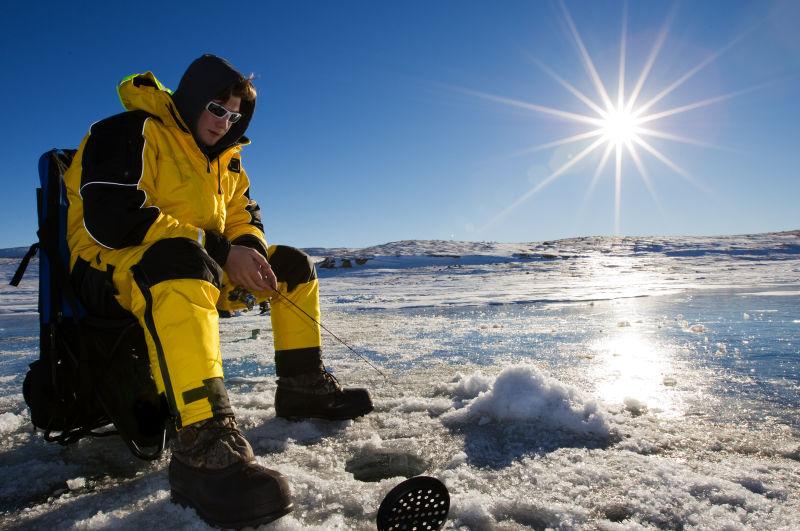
(219, 179)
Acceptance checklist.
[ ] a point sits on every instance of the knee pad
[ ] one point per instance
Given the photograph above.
(292, 266)
(178, 258)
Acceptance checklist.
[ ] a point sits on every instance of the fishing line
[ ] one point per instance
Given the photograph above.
(340, 340)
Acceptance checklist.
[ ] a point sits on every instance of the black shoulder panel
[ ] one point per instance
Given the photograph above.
(254, 210)
(113, 152)
(111, 168)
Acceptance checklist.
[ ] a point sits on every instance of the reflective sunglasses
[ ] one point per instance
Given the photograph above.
(221, 112)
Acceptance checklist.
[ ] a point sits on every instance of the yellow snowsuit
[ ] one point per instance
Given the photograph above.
(151, 219)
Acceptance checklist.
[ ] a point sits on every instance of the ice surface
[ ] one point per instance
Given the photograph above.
(509, 378)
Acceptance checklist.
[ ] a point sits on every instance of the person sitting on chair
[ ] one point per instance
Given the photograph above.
(162, 226)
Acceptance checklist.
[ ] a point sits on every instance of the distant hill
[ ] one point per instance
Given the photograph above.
(13, 252)
(783, 242)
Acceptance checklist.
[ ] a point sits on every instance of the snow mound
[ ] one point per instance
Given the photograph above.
(522, 393)
(466, 387)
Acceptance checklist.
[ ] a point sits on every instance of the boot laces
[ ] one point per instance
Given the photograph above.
(210, 435)
(330, 381)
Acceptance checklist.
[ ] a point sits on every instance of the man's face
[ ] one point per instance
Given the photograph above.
(211, 128)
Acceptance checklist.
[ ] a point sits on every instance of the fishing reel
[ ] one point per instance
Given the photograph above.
(239, 294)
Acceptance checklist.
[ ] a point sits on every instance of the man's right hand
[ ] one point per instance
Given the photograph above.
(246, 267)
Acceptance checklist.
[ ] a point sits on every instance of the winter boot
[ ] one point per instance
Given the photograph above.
(319, 395)
(213, 470)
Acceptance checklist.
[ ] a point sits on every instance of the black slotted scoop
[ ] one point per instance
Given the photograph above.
(420, 503)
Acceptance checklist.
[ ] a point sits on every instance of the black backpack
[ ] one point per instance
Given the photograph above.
(92, 371)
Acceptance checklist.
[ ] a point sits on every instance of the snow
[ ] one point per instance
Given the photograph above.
(547, 384)
(9, 422)
(464, 387)
(76, 484)
(523, 394)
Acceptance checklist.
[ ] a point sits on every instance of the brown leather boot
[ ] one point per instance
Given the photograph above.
(213, 470)
(319, 395)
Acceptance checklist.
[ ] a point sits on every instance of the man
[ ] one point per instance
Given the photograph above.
(161, 225)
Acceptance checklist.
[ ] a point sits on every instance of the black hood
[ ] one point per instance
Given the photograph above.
(206, 77)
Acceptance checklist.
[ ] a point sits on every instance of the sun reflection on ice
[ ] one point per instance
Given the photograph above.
(635, 370)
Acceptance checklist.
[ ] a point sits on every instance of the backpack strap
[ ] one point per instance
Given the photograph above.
(23, 265)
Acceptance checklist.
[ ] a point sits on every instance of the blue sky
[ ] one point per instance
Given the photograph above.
(371, 128)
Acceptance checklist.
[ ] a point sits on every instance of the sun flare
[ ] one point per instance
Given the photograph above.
(620, 127)
(625, 127)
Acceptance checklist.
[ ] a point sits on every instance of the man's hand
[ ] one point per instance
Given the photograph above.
(247, 268)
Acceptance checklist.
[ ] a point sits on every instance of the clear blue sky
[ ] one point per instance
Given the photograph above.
(366, 130)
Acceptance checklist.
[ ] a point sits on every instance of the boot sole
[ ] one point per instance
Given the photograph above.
(179, 499)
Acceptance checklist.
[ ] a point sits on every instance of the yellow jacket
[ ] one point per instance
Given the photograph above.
(139, 177)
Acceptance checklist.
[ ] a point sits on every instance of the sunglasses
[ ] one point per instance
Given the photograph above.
(221, 112)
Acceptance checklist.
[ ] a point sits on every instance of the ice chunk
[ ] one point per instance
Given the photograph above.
(635, 406)
(433, 406)
(457, 460)
(746, 316)
(77, 483)
(523, 393)
(9, 422)
(373, 443)
(465, 387)
(669, 381)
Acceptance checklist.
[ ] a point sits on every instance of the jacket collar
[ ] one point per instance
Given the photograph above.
(144, 92)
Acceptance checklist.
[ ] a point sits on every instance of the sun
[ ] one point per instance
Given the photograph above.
(623, 126)
(620, 127)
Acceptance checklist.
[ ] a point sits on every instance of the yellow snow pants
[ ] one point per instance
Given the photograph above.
(174, 289)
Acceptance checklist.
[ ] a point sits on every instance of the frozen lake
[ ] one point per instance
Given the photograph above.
(581, 384)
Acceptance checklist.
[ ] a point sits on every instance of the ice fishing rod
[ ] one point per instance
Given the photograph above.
(340, 340)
